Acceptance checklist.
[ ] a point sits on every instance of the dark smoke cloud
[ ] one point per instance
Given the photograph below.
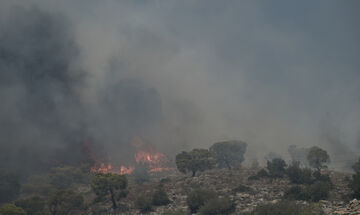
(181, 74)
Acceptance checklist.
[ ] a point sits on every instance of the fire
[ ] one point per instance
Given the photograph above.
(144, 155)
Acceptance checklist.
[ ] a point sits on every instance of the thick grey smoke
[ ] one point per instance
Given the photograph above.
(180, 74)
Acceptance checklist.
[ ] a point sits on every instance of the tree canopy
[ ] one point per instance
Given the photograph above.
(229, 153)
(318, 157)
(194, 161)
(113, 184)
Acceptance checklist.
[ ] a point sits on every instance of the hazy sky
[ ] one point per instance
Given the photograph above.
(272, 73)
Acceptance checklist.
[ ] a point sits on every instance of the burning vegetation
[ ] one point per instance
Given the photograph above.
(144, 155)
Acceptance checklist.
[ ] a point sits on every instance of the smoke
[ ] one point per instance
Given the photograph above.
(180, 74)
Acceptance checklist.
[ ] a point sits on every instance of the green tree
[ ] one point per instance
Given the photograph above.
(298, 175)
(113, 184)
(9, 186)
(276, 168)
(195, 160)
(229, 153)
(11, 209)
(318, 157)
(62, 202)
(64, 177)
(33, 205)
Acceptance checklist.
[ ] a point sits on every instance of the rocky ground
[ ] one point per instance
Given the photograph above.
(223, 182)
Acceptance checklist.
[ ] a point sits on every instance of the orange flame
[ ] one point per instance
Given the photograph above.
(145, 155)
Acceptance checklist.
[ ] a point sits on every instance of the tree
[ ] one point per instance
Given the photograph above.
(33, 205)
(229, 153)
(62, 202)
(195, 160)
(356, 166)
(9, 186)
(197, 198)
(317, 158)
(113, 184)
(276, 168)
(298, 175)
(11, 209)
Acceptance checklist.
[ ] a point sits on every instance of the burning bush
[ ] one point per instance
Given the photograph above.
(229, 153)
(195, 160)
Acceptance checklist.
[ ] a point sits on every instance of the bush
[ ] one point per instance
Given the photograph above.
(33, 205)
(218, 206)
(11, 209)
(356, 166)
(296, 193)
(314, 192)
(242, 189)
(198, 198)
(286, 208)
(65, 177)
(261, 174)
(322, 177)
(318, 157)
(143, 204)
(354, 184)
(9, 186)
(276, 168)
(160, 197)
(65, 201)
(298, 175)
(318, 191)
(141, 174)
(177, 212)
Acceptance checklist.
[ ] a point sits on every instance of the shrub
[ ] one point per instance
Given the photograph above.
(160, 197)
(354, 184)
(11, 209)
(318, 191)
(261, 174)
(143, 204)
(242, 189)
(65, 201)
(9, 186)
(229, 153)
(176, 212)
(286, 208)
(276, 168)
(64, 177)
(322, 177)
(298, 175)
(296, 193)
(141, 174)
(218, 206)
(33, 205)
(198, 198)
(356, 166)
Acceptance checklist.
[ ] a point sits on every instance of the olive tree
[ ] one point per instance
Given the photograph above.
(194, 161)
(63, 202)
(228, 153)
(113, 184)
(317, 158)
